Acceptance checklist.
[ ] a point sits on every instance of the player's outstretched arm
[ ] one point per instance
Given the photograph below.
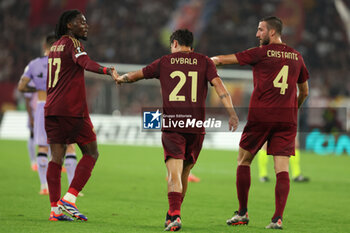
(90, 65)
(303, 92)
(130, 77)
(225, 59)
(107, 70)
(23, 85)
(227, 102)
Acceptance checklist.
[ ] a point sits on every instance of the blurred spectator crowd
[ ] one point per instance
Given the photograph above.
(129, 31)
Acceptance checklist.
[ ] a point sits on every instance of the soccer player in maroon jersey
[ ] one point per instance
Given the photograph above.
(66, 114)
(277, 70)
(184, 77)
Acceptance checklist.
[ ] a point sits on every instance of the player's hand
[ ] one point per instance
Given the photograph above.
(114, 73)
(233, 122)
(215, 60)
(119, 80)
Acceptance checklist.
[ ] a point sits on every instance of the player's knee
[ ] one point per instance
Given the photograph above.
(187, 167)
(57, 159)
(174, 177)
(245, 161)
(279, 168)
(95, 155)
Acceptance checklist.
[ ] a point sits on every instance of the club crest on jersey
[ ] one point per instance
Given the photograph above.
(152, 119)
(79, 50)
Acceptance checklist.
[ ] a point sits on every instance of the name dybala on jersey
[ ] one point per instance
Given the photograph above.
(66, 95)
(184, 78)
(277, 68)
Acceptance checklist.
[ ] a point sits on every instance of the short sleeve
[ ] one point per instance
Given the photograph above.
(76, 49)
(28, 71)
(304, 73)
(250, 56)
(152, 70)
(211, 70)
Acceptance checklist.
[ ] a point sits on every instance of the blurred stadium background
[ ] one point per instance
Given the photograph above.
(136, 32)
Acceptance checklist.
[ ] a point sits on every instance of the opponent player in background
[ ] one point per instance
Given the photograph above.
(277, 71)
(294, 164)
(67, 118)
(184, 76)
(30, 101)
(36, 73)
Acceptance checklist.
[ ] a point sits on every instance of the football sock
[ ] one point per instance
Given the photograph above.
(281, 193)
(54, 182)
(70, 163)
(31, 150)
(42, 167)
(263, 159)
(82, 174)
(243, 185)
(70, 197)
(56, 210)
(43, 186)
(175, 200)
(295, 164)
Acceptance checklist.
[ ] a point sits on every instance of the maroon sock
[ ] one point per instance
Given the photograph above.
(175, 200)
(281, 193)
(243, 185)
(82, 174)
(53, 177)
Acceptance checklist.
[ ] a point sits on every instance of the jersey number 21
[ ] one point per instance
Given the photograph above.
(174, 94)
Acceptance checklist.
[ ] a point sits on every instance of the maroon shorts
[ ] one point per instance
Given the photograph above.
(68, 130)
(183, 146)
(280, 137)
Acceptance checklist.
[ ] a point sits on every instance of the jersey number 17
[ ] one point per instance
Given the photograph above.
(54, 62)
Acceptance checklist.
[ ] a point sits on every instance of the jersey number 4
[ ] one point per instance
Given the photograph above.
(54, 62)
(174, 94)
(283, 74)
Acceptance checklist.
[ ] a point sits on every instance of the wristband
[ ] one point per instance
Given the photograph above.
(105, 70)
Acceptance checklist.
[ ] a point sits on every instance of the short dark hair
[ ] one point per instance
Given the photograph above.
(183, 36)
(66, 17)
(273, 22)
(50, 39)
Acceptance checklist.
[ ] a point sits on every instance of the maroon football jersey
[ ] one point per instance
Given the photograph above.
(66, 95)
(184, 78)
(277, 68)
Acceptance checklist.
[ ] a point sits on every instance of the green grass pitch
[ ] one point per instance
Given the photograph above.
(127, 193)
